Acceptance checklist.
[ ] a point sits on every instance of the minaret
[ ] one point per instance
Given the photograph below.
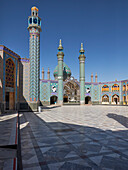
(60, 57)
(96, 78)
(92, 78)
(34, 27)
(48, 74)
(42, 73)
(82, 74)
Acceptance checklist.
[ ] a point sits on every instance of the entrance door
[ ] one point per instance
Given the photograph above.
(115, 100)
(53, 99)
(11, 101)
(65, 99)
(87, 100)
(7, 100)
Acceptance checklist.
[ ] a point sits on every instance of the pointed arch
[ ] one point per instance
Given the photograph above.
(124, 87)
(105, 99)
(10, 73)
(115, 87)
(105, 88)
(53, 99)
(71, 91)
(115, 99)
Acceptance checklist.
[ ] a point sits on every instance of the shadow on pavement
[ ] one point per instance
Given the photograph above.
(57, 145)
(119, 118)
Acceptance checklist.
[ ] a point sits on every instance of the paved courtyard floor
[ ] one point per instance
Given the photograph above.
(8, 143)
(75, 138)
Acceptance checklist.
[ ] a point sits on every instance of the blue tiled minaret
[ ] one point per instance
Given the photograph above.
(34, 27)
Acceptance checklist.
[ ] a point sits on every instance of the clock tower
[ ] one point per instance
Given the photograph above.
(34, 27)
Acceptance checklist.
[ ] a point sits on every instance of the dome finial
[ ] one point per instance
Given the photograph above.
(60, 45)
(82, 49)
(81, 46)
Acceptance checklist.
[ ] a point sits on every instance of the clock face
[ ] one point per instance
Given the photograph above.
(35, 21)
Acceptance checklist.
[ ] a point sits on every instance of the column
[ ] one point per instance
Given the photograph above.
(42, 73)
(82, 75)
(96, 78)
(48, 74)
(92, 78)
(60, 57)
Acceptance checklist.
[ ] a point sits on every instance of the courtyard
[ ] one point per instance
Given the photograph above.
(67, 138)
(75, 137)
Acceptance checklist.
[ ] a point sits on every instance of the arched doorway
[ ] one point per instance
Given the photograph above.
(53, 99)
(65, 99)
(10, 85)
(115, 99)
(87, 100)
(71, 92)
(105, 99)
(124, 100)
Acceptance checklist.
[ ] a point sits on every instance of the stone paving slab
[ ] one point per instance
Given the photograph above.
(75, 137)
(7, 140)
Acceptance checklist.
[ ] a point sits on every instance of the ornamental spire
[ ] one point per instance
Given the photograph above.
(42, 73)
(48, 74)
(91, 77)
(96, 78)
(60, 48)
(82, 50)
(60, 45)
(81, 46)
(42, 69)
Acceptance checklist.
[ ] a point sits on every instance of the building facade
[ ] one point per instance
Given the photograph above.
(9, 79)
(22, 89)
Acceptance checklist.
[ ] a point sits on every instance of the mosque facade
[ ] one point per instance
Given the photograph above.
(22, 89)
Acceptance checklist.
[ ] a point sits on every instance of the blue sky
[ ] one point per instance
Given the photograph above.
(102, 25)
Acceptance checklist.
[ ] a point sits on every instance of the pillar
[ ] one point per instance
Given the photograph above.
(60, 57)
(96, 78)
(82, 74)
(42, 73)
(48, 74)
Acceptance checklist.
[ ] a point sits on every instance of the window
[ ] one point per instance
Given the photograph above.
(30, 20)
(10, 70)
(124, 87)
(105, 88)
(38, 22)
(115, 87)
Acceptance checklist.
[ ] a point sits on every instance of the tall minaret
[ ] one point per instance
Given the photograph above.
(42, 73)
(82, 75)
(34, 27)
(96, 78)
(60, 57)
(92, 78)
(48, 74)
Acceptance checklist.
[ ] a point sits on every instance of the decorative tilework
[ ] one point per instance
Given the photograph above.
(15, 60)
(10, 71)
(44, 91)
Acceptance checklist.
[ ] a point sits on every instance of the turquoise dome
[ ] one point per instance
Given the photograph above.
(66, 72)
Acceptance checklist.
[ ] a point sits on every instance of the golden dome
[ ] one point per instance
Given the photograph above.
(34, 8)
